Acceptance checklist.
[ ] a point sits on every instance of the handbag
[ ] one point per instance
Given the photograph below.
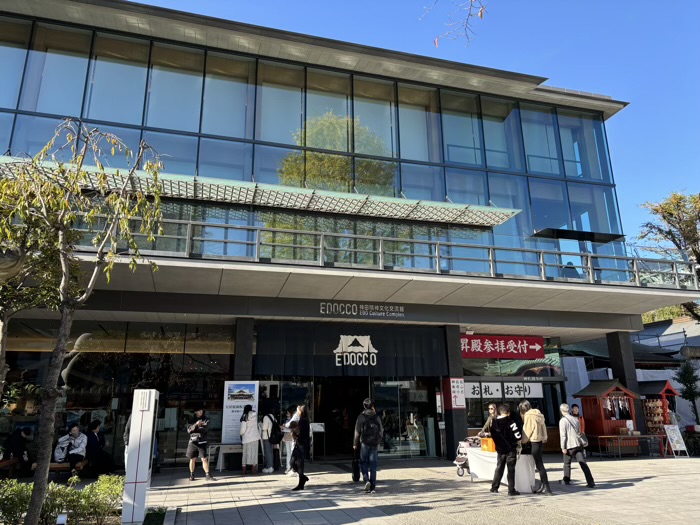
(526, 448)
(355, 467)
(580, 436)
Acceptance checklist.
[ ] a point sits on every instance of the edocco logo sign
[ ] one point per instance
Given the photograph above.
(355, 350)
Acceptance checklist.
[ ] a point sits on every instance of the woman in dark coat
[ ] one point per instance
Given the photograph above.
(302, 447)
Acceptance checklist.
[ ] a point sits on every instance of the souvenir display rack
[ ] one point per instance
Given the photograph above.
(657, 399)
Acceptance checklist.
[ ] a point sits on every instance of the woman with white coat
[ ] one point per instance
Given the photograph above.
(250, 436)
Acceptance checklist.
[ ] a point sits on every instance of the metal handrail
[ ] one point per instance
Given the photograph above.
(437, 252)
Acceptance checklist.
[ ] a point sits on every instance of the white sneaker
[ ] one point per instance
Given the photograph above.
(291, 473)
(268, 470)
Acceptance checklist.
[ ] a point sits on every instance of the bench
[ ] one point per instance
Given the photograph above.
(9, 464)
(64, 467)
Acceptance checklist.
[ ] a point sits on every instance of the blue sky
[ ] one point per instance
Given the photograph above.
(640, 51)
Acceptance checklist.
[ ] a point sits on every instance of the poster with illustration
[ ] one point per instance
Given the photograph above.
(237, 394)
(675, 439)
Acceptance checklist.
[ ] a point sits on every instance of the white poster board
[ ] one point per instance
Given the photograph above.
(675, 440)
(237, 394)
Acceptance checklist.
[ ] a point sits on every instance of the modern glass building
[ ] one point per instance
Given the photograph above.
(317, 190)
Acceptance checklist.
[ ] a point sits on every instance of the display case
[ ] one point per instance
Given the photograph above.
(658, 402)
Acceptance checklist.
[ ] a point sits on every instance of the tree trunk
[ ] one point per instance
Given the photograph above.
(46, 417)
(4, 369)
(693, 310)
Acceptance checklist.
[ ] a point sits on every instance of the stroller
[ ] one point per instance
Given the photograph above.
(462, 461)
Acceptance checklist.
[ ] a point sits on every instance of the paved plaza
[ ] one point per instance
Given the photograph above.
(631, 491)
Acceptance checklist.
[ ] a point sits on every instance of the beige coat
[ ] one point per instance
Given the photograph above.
(534, 428)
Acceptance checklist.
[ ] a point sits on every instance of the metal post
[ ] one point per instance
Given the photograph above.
(437, 257)
(320, 251)
(675, 275)
(381, 254)
(492, 261)
(591, 274)
(635, 268)
(543, 268)
(696, 271)
(188, 240)
(258, 240)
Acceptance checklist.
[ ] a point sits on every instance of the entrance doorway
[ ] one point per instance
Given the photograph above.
(338, 402)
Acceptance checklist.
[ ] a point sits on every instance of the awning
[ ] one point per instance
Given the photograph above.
(288, 197)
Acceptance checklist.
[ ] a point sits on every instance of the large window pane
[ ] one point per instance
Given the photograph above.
(14, 40)
(376, 177)
(56, 70)
(540, 139)
(222, 159)
(328, 110)
(278, 166)
(422, 182)
(583, 146)
(467, 187)
(328, 172)
(419, 122)
(177, 152)
(5, 130)
(502, 134)
(117, 80)
(229, 89)
(375, 118)
(461, 129)
(280, 104)
(31, 134)
(175, 88)
(550, 205)
(594, 208)
(130, 137)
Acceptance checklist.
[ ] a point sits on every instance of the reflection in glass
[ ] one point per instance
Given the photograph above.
(422, 182)
(222, 159)
(502, 134)
(328, 110)
(229, 89)
(328, 172)
(594, 208)
(467, 187)
(175, 88)
(178, 153)
(117, 82)
(31, 134)
(14, 40)
(419, 122)
(583, 145)
(375, 119)
(56, 69)
(280, 103)
(540, 139)
(550, 205)
(130, 137)
(461, 129)
(376, 177)
(278, 166)
(5, 130)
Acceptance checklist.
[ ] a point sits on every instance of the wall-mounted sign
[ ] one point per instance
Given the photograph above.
(508, 390)
(454, 393)
(523, 391)
(502, 347)
(485, 390)
(361, 310)
(355, 350)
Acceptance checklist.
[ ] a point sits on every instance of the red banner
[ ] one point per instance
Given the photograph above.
(502, 347)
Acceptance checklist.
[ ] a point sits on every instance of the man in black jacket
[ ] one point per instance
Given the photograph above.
(506, 435)
(368, 435)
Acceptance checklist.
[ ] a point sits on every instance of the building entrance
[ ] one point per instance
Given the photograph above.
(338, 403)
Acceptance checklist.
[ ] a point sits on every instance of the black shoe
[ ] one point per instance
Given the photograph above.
(590, 485)
(548, 492)
(191, 476)
(494, 490)
(513, 493)
(299, 487)
(564, 482)
(209, 477)
(372, 489)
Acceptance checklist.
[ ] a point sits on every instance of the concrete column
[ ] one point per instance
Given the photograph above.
(623, 369)
(455, 418)
(243, 357)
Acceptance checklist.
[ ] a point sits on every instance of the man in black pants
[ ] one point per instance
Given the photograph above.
(197, 447)
(506, 435)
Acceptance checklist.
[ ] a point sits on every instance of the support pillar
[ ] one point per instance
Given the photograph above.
(623, 369)
(243, 357)
(455, 417)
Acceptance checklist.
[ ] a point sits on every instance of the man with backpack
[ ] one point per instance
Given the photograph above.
(368, 435)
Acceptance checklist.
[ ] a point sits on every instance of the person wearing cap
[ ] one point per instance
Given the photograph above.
(368, 435)
(197, 428)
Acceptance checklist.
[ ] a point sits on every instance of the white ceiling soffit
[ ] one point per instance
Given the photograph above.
(287, 197)
(156, 22)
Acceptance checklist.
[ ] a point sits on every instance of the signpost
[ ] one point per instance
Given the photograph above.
(502, 347)
(675, 440)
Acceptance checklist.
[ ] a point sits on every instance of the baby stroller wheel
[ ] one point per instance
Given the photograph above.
(460, 471)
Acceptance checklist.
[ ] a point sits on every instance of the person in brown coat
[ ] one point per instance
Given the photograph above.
(535, 432)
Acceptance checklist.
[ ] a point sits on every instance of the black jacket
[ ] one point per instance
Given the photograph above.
(15, 445)
(199, 431)
(506, 434)
(94, 446)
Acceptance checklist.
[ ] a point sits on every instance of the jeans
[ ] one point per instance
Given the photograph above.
(369, 456)
(502, 461)
(578, 454)
(289, 446)
(267, 451)
(537, 449)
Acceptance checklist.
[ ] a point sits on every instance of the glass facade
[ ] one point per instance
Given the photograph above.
(220, 115)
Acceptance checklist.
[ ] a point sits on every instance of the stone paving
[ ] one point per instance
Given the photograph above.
(631, 491)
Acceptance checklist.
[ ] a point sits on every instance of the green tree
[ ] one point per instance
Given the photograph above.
(689, 378)
(674, 229)
(66, 197)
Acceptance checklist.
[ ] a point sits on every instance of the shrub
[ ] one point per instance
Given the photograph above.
(59, 498)
(102, 499)
(14, 501)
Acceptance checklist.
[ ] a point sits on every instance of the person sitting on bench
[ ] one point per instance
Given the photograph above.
(16, 447)
(71, 448)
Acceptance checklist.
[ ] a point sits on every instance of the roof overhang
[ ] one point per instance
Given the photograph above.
(157, 22)
(288, 197)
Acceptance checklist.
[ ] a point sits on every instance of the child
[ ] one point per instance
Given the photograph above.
(506, 436)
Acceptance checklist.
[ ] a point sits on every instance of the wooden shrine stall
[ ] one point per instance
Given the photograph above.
(657, 400)
(608, 410)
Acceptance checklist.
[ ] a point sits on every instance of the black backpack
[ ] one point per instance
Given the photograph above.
(275, 432)
(371, 433)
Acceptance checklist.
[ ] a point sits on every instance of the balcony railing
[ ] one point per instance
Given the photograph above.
(202, 240)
